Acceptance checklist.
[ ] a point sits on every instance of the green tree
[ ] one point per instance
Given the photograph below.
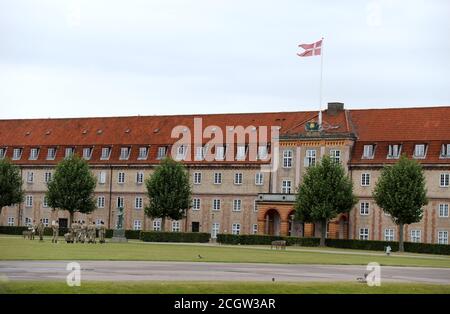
(169, 191)
(401, 192)
(72, 187)
(10, 184)
(325, 192)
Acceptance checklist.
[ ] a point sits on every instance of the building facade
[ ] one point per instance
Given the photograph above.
(237, 195)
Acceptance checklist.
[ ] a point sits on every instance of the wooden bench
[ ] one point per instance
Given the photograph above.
(278, 244)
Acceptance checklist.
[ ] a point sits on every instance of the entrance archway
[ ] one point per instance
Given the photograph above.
(272, 222)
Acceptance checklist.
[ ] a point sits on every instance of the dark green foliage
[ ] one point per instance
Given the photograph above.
(254, 239)
(325, 192)
(72, 187)
(401, 192)
(191, 237)
(169, 191)
(10, 184)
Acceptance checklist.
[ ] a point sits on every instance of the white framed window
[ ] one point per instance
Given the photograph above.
(237, 204)
(287, 158)
(125, 153)
(30, 177)
(157, 224)
(364, 208)
(241, 152)
(175, 226)
(47, 176)
(215, 230)
(143, 153)
(335, 155)
(419, 150)
(364, 233)
(238, 178)
(255, 205)
(2, 153)
(120, 202)
(236, 228)
(262, 152)
(442, 237)
(443, 210)
(365, 179)
(17, 153)
(217, 178)
(388, 234)
(181, 152)
(394, 151)
(255, 229)
(51, 153)
(101, 202)
(161, 152)
(445, 151)
(138, 203)
(368, 151)
(286, 187)
(45, 222)
(102, 177)
(10, 221)
(137, 225)
(29, 201)
(216, 204)
(259, 178)
(121, 177)
(220, 152)
(197, 177)
(34, 153)
(87, 153)
(98, 222)
(310, 159)
(199, 153)
(196, 203)
(139, 177)
(45, 202)
(416, 235)
(106, 152)
(69, 152)
(445, 180)
(27, 221)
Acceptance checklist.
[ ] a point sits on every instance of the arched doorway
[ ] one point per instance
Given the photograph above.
(272, 222)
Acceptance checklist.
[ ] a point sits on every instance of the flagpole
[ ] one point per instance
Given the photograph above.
(320, 88)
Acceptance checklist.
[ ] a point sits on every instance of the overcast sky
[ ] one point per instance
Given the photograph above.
(68, 58)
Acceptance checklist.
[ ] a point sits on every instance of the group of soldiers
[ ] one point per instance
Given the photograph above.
(79, 232)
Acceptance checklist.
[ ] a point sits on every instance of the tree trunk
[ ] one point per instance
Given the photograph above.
(323, 232)
(163, 224)
(71, 219)
(401, 248)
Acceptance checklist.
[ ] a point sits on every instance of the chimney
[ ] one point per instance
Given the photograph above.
(335, 107)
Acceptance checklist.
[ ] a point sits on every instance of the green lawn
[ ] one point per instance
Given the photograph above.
(220, 287)
(16, 248)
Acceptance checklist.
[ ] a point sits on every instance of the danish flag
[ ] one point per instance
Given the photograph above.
(311, 50)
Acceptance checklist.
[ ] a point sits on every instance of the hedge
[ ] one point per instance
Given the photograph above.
(443, 249)
(18, 230)
(159, 236)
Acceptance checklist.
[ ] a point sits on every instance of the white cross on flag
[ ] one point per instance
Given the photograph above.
(311, 50)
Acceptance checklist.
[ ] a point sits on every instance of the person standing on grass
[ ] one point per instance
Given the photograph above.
(101, 232)
(40, 230)
(55, 228)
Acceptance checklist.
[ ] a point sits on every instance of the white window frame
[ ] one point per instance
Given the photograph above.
(364, 208)
(29, 201)
(196, 203)
(120, 202)
(416, 235)
(255, 206)
(101, 201)
(236, 228)
(138, 202)
(17, 153)
(121, 177)
(45, 202)
(421, 149)
(263, 153)
(443, 210)
(45, 222)
(389, 234)
(215, 229)
(237, 205)
(335, 155)
(365, 179)
(445, 151)
(238, 178)
(125, 153)
(176, 226)
(217, 177)
(11, 221)
(394, 151)
(199, 153)
(28, 221)
(286, 187)
(368, 151)
(220, 152)
(444, 180)
(69, 152)
(181, 152)
(162, 150)
(87, 153)
(34, 153)
(47, 176)
(363, 233)
(259, 178)
(288, 156)
(102, 177)
(197, 178)
(2, 153)
(241, 152)
(137, 224)
(30, 177)
(310, 157)
(139, 177)
(216, 204)
(143, 153)
(51, 153)
(255, 229)
(106, 153)
(157, 224)
(442, 237)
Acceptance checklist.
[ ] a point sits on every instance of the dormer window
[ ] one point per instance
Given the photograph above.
(69, 152)
(125, 153)
(262, 152)
(2, 153)
(394, 151)
(241, 152)
(34, 153)
(419, 151)
(181, 152)
(220, 152)
(368, 152)
(106, 151)
(17, 153)
(445, 151)
(143, 153)
(200, 152)
(161, 152)
(87, 153)
(51, 153)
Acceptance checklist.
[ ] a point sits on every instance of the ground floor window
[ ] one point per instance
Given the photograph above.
(10, 221)
(255, 228)
(236, 229)
(215, 230)
(416, 235)
(442, 237)
(27, 221)
(98, 222)
(45, 222)
(157, 225)
(364, 233)
(137, 225)
(175, 226)
(388, 234)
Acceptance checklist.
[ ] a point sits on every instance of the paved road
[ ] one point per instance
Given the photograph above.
(198, 271)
